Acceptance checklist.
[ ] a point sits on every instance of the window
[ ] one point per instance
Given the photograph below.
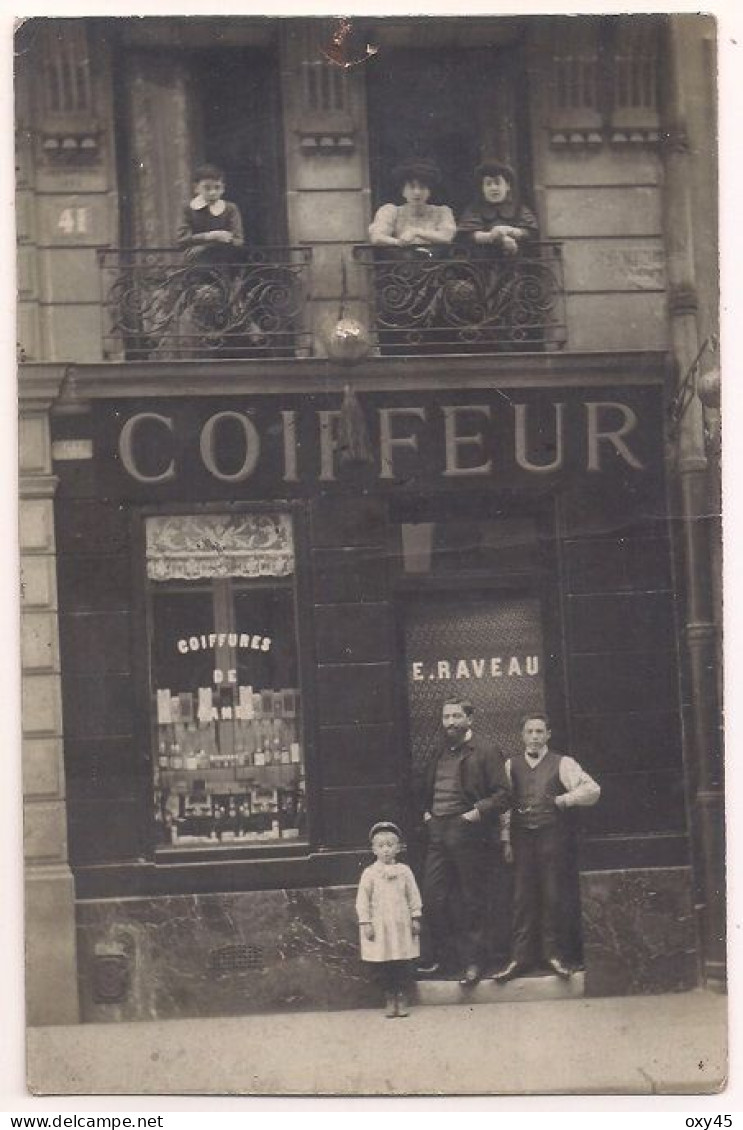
(228, 752)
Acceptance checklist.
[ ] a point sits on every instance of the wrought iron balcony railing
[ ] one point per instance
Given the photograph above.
(460, 299)
(160, 305)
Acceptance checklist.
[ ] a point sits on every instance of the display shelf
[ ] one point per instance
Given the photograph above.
(216, 779)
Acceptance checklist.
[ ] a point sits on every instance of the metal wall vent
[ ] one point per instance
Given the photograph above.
(111, 977)
(232, 958)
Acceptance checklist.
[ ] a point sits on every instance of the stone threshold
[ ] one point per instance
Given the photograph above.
(537, 987)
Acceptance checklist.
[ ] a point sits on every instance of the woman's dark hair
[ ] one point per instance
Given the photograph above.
(208, 172)
(495, 168)
(420, 169)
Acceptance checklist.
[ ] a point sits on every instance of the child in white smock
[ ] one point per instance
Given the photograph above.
(388, 904)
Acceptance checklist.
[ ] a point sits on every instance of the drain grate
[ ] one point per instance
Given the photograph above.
(235, 957)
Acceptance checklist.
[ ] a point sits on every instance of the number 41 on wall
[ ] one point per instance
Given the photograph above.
(73, 221)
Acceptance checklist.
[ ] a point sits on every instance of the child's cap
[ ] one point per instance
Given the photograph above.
(384, 826)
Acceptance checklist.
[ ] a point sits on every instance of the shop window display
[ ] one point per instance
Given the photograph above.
(226, 707)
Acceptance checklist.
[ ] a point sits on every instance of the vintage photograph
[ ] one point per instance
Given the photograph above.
(369, 389)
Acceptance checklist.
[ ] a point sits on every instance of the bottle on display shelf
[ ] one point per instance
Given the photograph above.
(250, 740)
(276, 741)
(267, 741)
(245, 700)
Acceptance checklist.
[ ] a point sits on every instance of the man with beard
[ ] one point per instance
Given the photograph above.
(465, 791)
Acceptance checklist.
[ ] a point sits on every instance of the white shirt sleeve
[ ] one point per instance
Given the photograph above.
(445, 222)
(581, 789)
(384, 222)
(505, 817)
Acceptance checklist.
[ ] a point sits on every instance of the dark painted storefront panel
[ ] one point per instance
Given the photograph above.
(349, 633)
(349, 575)
(638, 621)
(359, 755)
(627, 562)
(95, 643)
(614, 681)
(105, 830)
(91, 582)
(101, 768)
(350, 812)
(637, 803)
(629, 742)
(90, 527)
(98, 706)
(338, 521)
(354, 692)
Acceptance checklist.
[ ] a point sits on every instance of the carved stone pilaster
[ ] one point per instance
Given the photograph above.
(51, 957)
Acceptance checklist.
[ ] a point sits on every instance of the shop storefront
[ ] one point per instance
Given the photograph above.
(257, 634)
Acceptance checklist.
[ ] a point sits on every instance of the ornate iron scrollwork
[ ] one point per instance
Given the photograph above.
(452, 299)
(161, 306)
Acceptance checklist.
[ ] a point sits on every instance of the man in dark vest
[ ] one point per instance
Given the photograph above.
(465, 791)
(545, 785)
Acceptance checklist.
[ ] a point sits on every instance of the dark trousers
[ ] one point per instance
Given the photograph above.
(455, 889)
(392, 976)
(538, 897)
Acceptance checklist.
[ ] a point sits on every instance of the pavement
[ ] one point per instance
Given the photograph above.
(651, 1045)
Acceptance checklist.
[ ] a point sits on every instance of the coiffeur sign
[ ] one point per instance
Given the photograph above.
(293, 442)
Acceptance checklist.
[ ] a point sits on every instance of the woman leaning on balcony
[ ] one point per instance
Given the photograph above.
(416, 222)
(498, 217)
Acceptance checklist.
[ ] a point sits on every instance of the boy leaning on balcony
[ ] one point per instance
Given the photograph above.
(211, 232)
(498, 216)
(211, 227)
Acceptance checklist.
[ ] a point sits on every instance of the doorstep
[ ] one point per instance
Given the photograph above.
(538, 987)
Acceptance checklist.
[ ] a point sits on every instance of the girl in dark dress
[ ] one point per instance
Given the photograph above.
(498, 216)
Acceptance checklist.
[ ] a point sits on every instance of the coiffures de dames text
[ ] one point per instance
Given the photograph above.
(464, 440)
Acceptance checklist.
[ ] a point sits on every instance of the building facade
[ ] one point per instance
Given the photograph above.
(274, 510)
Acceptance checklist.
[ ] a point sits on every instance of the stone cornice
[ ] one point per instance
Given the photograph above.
(39, 384)
(114, 380)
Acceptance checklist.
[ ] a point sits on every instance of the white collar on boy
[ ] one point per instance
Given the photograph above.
(216, 209)
(533, 759)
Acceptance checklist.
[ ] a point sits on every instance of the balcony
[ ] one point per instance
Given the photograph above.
(457, 299)
(157, 305)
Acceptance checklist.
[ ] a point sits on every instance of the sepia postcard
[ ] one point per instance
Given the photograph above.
(370, 540)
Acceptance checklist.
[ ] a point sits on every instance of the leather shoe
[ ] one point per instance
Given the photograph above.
(557, 967)
(470, 976)
(508, 972)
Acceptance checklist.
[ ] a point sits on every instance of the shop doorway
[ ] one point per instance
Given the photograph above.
(487, 647)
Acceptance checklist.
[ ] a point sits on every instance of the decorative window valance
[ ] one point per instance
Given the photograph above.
(197, 546)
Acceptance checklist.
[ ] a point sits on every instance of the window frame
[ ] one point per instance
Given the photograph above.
(165, 856)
